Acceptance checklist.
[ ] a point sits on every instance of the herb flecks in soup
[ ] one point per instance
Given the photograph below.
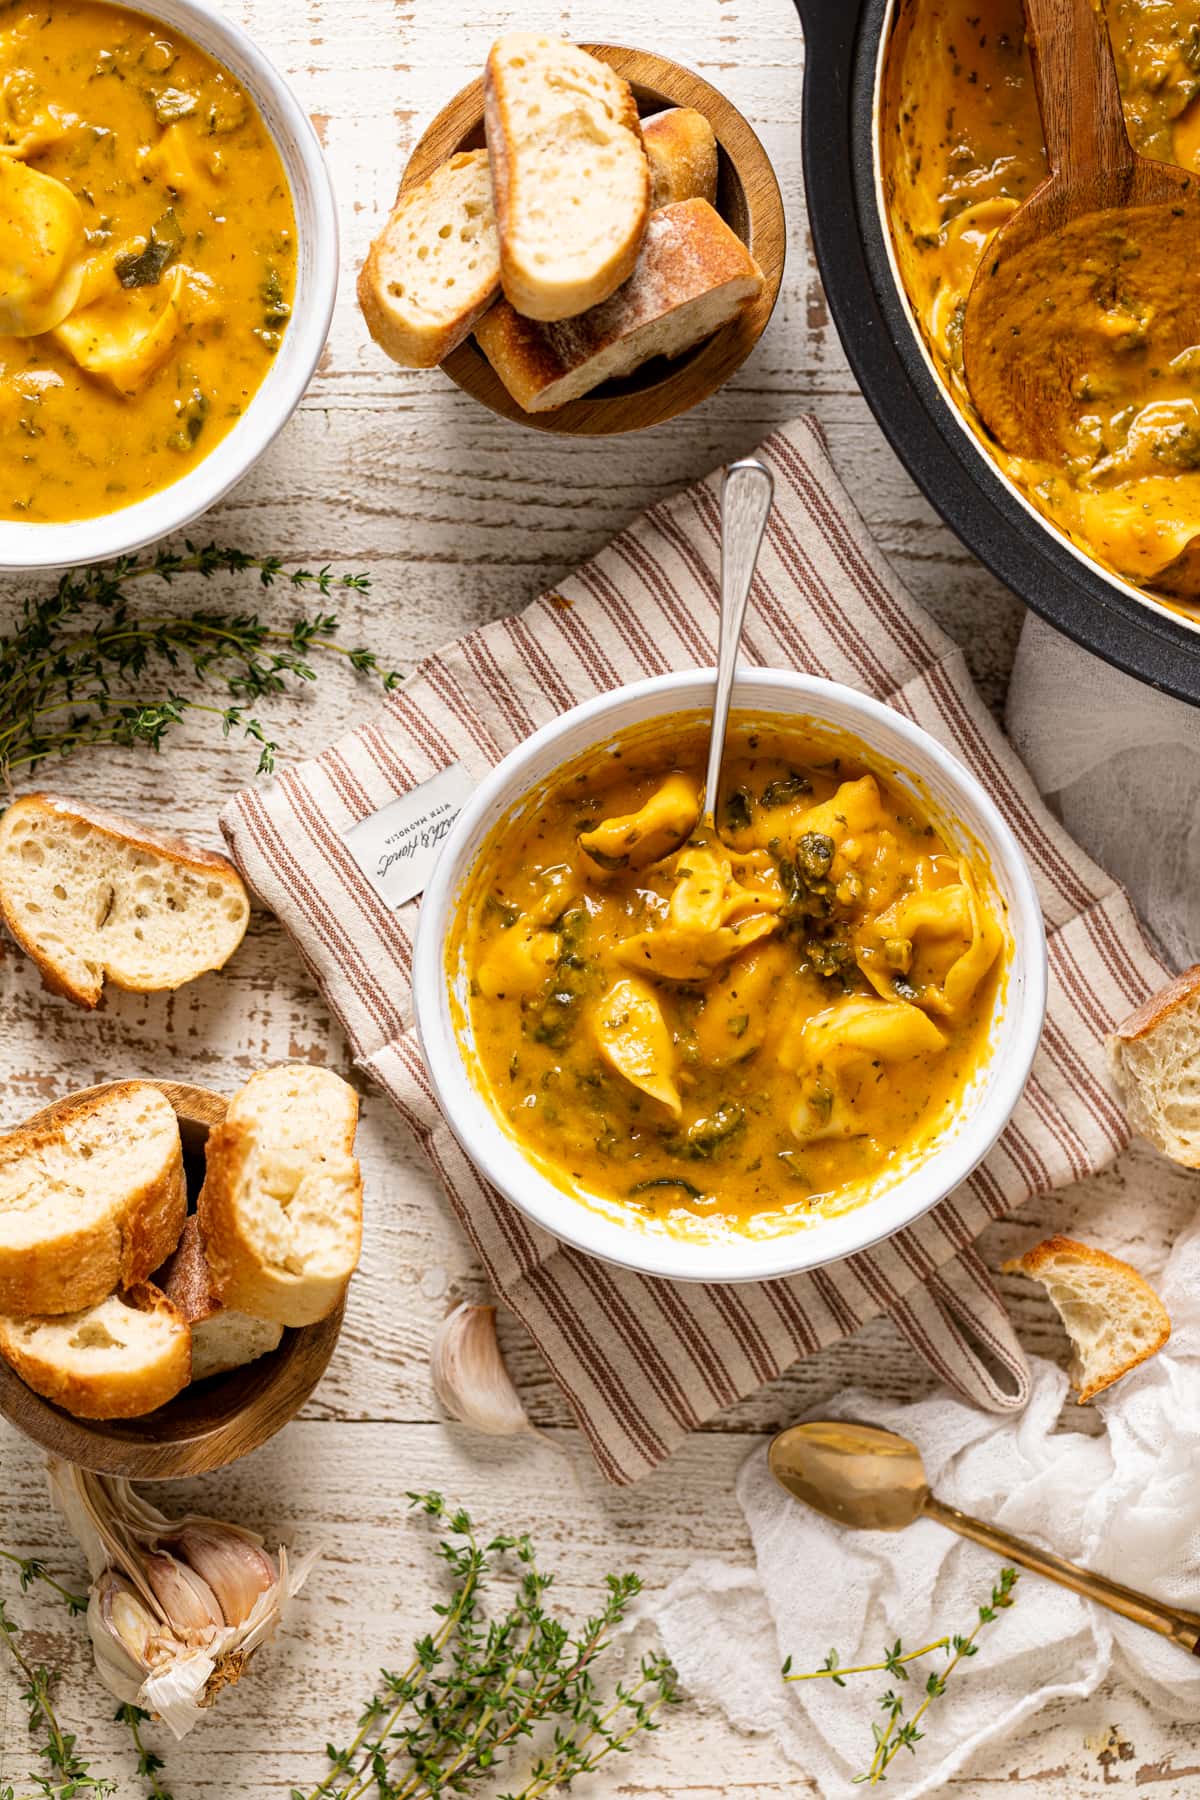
(738, 1032)
(147, 257)
(962, 147)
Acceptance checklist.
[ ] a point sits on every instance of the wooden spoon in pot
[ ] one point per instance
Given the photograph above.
(1093, 284)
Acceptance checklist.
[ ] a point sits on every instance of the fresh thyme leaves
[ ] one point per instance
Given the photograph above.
(898, 1732)
(148, 1763)
(74, 670)
(476, 1686)
(69, 1773)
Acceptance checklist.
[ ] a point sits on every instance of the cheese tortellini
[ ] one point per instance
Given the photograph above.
(744, 1024)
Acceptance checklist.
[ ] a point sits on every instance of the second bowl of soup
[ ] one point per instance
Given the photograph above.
(730, 1053)
(169, 265)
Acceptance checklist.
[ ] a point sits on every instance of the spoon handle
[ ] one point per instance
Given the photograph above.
(1183, 1628)
(746, 493)
(1077, 89)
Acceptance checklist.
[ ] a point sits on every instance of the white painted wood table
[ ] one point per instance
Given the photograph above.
(460, 517)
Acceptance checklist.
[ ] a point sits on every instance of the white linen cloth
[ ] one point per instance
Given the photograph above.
(1121, 765)
(1125, 1503)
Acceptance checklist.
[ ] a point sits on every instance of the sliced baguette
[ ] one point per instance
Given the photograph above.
(222, 1339)
(570, 179)
(89, 895)
(1113, 1317)
(118, 1360)
(281, 1207)
(1155, 1060)
(435, 266)
(694, 275)
(94, 1201)
(681, 147)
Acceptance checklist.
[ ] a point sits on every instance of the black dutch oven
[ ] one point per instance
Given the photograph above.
(842, 46)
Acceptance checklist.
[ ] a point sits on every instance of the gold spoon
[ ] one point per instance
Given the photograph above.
(746, 493)
(874, 1480)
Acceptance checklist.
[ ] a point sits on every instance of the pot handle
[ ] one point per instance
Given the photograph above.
(957, 1322)
(828, 25)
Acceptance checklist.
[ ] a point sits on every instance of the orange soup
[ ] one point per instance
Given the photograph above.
(744, 1029)
(147, 257)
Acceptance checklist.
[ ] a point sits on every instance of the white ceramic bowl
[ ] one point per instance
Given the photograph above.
(963, 810)
(32, 546)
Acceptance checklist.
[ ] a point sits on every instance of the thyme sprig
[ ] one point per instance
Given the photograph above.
(476, 1687)
(73, 671)
(899, 1732)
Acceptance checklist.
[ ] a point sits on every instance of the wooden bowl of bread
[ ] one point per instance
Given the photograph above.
(589, 239)
(173, 1266)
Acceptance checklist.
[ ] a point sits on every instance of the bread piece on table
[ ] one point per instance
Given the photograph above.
(118, 1360)
(693, 276)
(92, 1202)
(570, 179)
(682, 150)
(1113, 1317)
(89, 895)
(1155, 1060)
(281, 1207)
(435, 266)
(222, 1339)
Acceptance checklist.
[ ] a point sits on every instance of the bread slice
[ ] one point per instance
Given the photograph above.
(1114, 1319)
(281, 1207)
(435, 266)
(569, 174)
(1155, 1060)
(118, 1360)
(89, 895)
(693, 276)
(222, 1339)
(681, 147)
(92, 1202)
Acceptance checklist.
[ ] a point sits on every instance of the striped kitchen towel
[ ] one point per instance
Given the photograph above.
(643, 1362)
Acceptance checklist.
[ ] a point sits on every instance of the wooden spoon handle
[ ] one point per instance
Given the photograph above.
(1077, 88)
(1183, 1628)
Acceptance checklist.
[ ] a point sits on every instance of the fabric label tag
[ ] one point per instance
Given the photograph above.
(397, 847)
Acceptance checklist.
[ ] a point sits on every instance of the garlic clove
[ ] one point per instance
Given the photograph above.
(234, 1568)
(191, 1608)
(124, 1633)
(470, 1377)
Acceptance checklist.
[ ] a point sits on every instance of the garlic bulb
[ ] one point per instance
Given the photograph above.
(470, 1378)
(177, 1606)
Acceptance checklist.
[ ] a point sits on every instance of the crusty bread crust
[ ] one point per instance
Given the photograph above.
(1043, 1263)
(682, 150)
(244, 1276)
(693, 275)
(93, 1385)
(404, 328)
(1154, 1056)
(532, 290)
(79, 1260)
(186, 1279)
(1185, 988)
(206, 863)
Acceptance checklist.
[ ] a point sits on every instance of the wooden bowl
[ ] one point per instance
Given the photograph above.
(748, 200)
(212, 1422)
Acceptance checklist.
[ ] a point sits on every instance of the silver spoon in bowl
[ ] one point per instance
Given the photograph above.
(869, 1479)
(746, 493)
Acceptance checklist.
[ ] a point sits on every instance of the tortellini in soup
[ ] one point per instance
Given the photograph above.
(147, 257)
(739, 1030)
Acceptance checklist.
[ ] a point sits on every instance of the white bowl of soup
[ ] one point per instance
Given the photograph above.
(729, 1056)
(168, 266)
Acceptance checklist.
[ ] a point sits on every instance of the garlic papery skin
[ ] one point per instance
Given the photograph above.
(470, 1377)
(191, 1608)
(161, 1636)
(236, 1569)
